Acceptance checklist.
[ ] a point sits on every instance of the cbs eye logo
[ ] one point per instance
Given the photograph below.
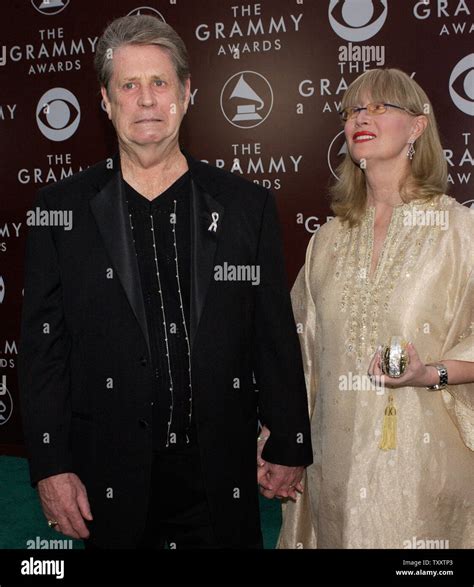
(58, 114)
(6, 402)
(461, 84)
(336, 150)
(357, 20)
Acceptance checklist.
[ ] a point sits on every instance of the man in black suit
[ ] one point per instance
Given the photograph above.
(143, 325)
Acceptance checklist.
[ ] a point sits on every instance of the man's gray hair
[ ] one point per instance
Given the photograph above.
(139, 30)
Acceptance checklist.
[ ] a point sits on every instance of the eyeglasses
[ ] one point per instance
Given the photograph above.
(375, 108)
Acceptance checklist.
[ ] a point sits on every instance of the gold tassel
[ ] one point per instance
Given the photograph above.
(389, 431)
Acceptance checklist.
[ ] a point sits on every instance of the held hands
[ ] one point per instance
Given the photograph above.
(64, 500)
(276, 480)
(417, 374)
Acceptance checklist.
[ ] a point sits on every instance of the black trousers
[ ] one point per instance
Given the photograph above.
(178, 513)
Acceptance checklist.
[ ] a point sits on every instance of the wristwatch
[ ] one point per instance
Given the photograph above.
(443, 377)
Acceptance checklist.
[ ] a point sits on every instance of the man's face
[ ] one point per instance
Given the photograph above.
(145, 101)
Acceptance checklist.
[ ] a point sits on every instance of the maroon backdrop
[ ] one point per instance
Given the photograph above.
(267, 79)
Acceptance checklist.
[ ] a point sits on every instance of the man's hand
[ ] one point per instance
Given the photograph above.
(64, 500)
(276, 480)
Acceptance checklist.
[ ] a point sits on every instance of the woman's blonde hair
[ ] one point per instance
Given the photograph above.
(429, 170)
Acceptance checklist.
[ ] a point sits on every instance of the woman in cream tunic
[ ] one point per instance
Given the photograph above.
(394, 261)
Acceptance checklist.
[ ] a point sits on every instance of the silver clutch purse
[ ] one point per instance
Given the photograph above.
(395, 357)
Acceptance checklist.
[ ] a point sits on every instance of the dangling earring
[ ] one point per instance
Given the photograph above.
(411, 151)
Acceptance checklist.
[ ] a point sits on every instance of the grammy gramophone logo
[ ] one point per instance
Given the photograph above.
(50, 7)
(147, 11)
(247, 99)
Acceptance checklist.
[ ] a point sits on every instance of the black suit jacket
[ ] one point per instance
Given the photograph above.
(84, 363)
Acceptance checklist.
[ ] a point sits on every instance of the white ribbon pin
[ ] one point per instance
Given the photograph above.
(215, 218)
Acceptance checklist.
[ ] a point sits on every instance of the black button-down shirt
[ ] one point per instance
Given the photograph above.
(161, 232)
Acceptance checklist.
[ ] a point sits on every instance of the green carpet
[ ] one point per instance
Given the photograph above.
(21, 518)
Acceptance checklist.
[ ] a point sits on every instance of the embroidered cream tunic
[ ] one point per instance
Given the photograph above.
(357, 495)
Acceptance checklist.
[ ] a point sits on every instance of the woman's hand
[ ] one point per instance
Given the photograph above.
(262, 467)
(417, 374)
